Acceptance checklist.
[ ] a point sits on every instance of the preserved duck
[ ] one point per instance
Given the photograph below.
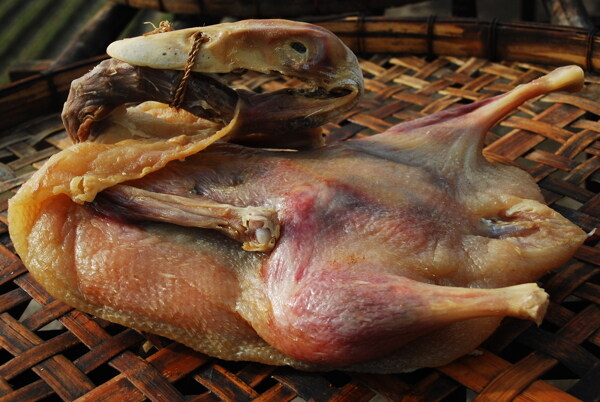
(387, 253)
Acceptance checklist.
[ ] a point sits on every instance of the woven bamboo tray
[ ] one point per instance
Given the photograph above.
(53, 352)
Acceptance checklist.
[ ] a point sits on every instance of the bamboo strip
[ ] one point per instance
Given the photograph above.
(526, 42)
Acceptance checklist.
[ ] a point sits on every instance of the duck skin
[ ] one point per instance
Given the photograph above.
(388, 253)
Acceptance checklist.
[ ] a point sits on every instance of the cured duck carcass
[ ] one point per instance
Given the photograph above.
(224, 222)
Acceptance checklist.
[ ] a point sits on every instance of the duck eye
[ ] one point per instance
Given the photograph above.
(298, 47)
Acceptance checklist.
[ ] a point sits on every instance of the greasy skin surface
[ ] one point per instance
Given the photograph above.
(384, 254)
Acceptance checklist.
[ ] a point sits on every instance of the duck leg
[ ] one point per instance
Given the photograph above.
(341, 317)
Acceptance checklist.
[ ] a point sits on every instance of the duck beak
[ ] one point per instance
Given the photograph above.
(296, 49)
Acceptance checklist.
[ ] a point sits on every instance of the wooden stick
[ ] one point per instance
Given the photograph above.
(266, 8)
